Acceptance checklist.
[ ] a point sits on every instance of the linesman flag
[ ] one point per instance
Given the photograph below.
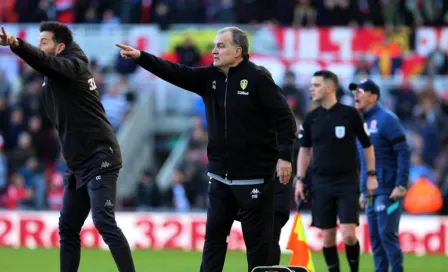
(301, 253)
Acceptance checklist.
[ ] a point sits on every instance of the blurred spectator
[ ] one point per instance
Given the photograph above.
(5, 86)
(162, 15)
(188, 11)
(363, 69)
(405, 101)
(334, 13)
(436, 62)
(246, 11)
(22, 153)
(147, 192)
(368, 12)
(37, 136)
(295, 98)
(25, 10)
(220, 11)
(15, 127)
(55, 191)
(428, 12)
(41, 11)
(65, 12)
(4, 116)
(188, 53)
(388, 56)
(18, 195)
(419, 169)
(3, 167)
(122, 66)
(428, 131)
(33, 174)
(304, 13)
(91, 15)
(110, 21)
(177, 195)
(115, 105)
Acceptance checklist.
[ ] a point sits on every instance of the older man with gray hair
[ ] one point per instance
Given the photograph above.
(251, 137)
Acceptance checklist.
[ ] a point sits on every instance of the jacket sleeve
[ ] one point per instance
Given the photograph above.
(273, 100)
(396, 137)
(361, 129)
(188, 78)
(54, 67)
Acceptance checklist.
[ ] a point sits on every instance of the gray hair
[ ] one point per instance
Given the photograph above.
(239, 38)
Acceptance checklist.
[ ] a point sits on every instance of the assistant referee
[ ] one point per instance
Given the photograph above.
(329, 136)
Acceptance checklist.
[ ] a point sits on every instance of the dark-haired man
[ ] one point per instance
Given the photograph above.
(329, 135)
(89, 145)
(247, 115)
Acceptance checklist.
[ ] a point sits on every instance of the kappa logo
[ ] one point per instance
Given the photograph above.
(105, 164)
(214, 85)
(255, 192)
(243, 84)
(108, 204)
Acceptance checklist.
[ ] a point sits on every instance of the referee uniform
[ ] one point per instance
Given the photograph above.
(332, 136)
(329, 135)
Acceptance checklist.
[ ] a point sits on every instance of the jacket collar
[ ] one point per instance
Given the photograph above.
(235, 68)
(377, 107)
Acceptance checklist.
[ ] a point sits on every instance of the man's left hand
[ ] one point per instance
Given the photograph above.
(397, 193)
(284, 170)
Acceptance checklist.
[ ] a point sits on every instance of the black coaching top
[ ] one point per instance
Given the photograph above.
(332, 134)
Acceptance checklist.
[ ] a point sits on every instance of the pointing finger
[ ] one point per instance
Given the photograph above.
(122, 46)
(4, 31)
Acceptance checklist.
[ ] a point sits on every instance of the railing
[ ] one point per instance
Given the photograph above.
(137, 144)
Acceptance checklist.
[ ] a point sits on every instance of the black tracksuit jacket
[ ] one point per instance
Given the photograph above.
(246, 113)
(72, 103)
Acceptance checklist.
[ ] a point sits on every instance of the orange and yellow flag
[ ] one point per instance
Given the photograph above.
(301, 253)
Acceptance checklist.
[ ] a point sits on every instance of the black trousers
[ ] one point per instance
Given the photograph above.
(279, 222)
(98, 196)
(255, 205)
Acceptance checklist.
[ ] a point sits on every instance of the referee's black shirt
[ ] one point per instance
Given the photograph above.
(332, 133)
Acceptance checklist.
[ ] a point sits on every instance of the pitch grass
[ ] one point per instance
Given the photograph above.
(29, 260)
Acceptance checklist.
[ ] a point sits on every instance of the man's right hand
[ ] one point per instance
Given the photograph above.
(128, 52)
(7, 39)
(299, 191)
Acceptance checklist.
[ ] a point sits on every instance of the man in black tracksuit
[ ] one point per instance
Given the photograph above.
(246, 113)
(90, 148)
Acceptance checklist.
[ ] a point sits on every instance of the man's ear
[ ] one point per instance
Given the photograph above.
(60, 48)
(240, 50)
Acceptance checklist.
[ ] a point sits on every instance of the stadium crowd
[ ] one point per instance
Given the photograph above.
(287, 12)
(31, 166)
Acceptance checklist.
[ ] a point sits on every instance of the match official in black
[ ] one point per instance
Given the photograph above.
(247, 115)
(329, 135)
(90, 148)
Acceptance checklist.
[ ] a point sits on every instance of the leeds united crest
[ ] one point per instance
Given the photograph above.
(243, 84)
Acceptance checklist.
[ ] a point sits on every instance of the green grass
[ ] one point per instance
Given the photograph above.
(28, 260)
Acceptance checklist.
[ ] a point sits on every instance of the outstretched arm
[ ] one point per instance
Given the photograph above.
(58, 68)
(188, 78)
